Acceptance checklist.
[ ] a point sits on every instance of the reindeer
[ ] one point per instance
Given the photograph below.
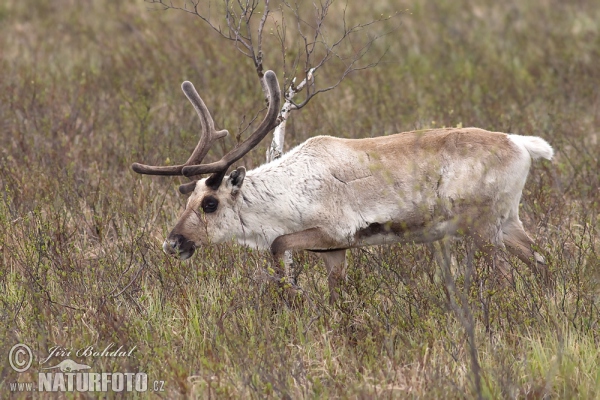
(330, 194)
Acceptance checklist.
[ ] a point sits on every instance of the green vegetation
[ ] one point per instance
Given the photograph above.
(89, 87)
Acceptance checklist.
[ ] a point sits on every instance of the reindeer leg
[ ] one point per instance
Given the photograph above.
(489, 240)
(335, 262)
(520, 244)
(311, 239)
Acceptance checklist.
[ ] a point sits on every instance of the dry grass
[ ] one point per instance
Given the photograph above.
(89, 87)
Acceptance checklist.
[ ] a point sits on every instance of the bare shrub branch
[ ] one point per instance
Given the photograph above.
(312, 44)
(461, 309)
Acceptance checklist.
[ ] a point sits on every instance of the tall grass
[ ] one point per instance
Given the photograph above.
(89, 87)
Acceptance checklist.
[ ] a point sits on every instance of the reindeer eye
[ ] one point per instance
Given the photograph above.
(209, 204)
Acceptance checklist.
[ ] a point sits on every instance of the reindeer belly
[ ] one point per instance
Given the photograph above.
(394, 232)
(422, 218)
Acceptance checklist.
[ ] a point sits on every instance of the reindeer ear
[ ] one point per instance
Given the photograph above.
(236, 179)
(187, 188)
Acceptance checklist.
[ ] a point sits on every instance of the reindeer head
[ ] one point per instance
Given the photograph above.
(212, 203)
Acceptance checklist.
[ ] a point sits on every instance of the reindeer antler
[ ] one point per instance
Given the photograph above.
(270, 121)
(209, 135)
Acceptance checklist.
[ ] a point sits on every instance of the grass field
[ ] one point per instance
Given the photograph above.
(88, 87)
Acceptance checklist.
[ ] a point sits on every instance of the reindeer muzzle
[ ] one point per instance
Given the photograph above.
(178, 246)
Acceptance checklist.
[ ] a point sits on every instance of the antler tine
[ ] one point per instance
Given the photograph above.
(207, 137)
(270, 121)
(157, 170)
(207, 122)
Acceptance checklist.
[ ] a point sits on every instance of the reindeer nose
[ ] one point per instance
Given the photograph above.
(170, 247)
(179, 246)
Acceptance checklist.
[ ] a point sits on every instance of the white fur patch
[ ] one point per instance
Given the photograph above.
(536, 146)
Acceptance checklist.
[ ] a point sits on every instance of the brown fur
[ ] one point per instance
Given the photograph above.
(459, 142)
